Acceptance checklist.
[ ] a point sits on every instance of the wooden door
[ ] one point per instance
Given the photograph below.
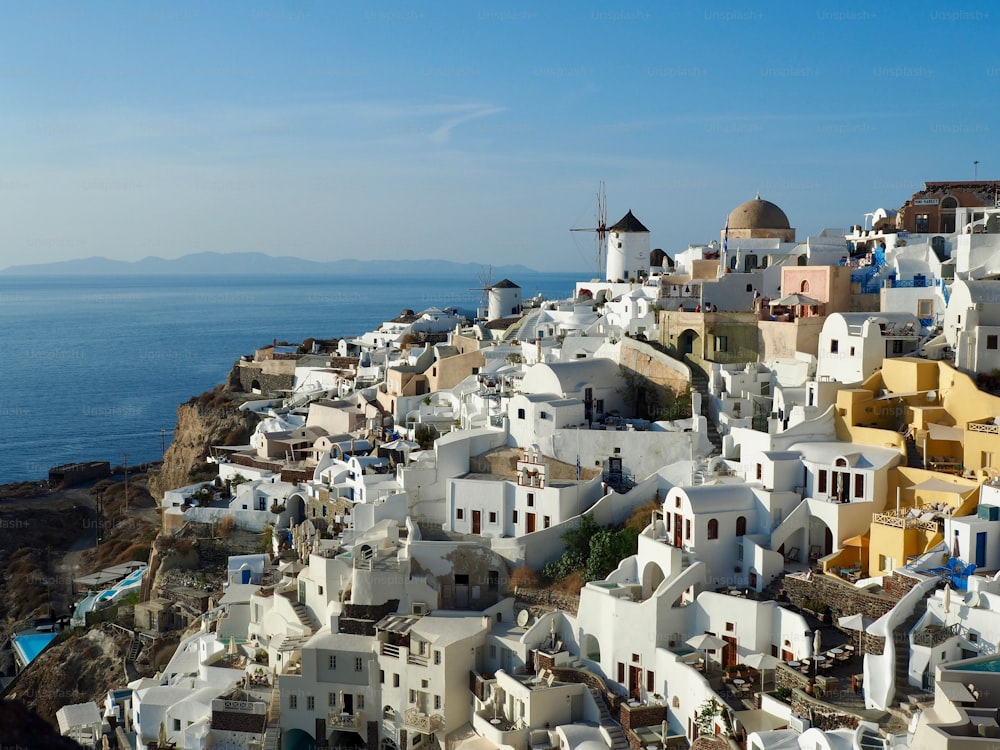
(477, 521)
(729, 651)
(678, 533)
(634, 681)
(529, 523)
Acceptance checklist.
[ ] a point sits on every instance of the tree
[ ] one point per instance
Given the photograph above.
(706, 715)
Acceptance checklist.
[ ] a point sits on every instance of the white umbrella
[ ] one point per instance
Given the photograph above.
(817, 643)
(761, 662)
(705, 642)
(947, 598)
(857, 622)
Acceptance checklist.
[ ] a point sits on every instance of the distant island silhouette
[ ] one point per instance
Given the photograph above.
(210, 263)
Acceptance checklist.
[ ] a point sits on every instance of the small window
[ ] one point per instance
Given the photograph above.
(395, 679)
(359, 664)
(730, 626)
(822, 481)
(459, 514)
(310, 703)
(531, 499)
(687, 529)
(514, 517)
(437, 656)
(547, 522)
(722, 343)
(991, 342)
(493, 516)
(741, 526)
(293, 701)
(520, 413)
(859, 486)
(332, 661)
(359, 701)
(177, 725)
(713, 528)
(635, 658)
(834, 346)
(331, 700)
(413, 696)
(749, 286)
(650, 681)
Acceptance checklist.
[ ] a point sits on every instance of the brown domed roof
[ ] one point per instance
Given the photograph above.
(758, 214)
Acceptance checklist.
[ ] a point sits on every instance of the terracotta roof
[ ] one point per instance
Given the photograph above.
(629, 223)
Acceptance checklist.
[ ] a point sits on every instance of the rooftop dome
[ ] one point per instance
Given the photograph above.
(758, 214)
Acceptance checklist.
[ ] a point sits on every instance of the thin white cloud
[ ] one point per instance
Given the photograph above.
(443, 133)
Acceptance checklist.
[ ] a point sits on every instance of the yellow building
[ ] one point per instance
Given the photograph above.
(945, 427)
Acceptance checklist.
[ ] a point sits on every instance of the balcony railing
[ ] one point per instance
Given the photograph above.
(932, 636)
(903, 522)
(337, 720)
(987, 427)
(424, 723)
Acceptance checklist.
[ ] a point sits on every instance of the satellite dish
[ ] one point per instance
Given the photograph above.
(932, 395)
(973, 599)
(523, 616)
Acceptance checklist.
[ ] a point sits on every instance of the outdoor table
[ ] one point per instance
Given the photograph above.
(794, 664)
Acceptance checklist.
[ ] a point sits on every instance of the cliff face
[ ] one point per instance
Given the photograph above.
(211, 419)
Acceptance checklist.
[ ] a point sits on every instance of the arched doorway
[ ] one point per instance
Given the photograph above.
(652, 577)
(591, 647)
(689, 342)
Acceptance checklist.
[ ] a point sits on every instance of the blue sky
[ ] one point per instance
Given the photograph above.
(468, 131)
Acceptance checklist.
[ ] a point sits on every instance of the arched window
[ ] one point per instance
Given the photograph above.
(741, 526)
(949, 203)
(713, 528)
(804, 286)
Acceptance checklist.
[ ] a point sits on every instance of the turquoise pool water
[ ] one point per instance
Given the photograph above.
(30, 645)
(131, 581)
(990, 665)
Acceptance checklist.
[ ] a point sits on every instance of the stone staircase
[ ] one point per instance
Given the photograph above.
(913, 459)
(699, 384)
(307, 620)
(612, 727)
(901, 644)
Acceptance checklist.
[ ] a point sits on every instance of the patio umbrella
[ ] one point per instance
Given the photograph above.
(761, 662)
(793, 300)
(857, 622)
(956, 551)
(947, 598)
(817, 643)
(705, 642)
(860, 541)
(232, 646)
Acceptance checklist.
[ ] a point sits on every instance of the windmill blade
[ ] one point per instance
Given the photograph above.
(601, 229)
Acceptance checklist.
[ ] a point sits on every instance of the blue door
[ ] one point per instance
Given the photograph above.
(981, 549)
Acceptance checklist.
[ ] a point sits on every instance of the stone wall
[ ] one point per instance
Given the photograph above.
(267, 379)
(842, 598)
(633, 717)
(824, 715)
(548, 599)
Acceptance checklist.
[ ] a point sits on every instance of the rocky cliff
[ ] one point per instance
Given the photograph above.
(211, 419)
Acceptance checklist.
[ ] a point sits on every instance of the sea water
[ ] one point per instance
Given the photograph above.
(93, 368)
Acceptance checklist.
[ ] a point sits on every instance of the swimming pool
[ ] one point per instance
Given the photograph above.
(29, 645)
(131, 581)
(987, 665)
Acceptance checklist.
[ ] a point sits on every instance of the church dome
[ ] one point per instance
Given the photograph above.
(758, 214)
